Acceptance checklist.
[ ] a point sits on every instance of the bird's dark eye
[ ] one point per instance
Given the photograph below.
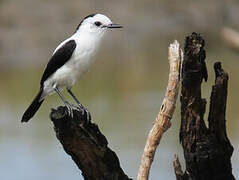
(98, 23)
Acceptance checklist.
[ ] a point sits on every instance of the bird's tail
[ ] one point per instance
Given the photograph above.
(32, 109)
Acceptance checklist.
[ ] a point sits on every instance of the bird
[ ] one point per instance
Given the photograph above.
(70, 60)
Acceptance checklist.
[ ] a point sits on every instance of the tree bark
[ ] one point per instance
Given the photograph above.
(87, 146)
(207, 151)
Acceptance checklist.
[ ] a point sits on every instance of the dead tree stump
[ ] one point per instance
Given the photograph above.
(86, 145)
(207, 150)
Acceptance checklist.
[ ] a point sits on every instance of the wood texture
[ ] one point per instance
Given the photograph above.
(207, 151)
(87, 146)
(162, 122)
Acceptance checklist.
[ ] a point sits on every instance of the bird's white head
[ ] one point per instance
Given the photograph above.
(95, 24)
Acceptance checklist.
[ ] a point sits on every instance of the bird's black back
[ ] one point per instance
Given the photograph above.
(59, 58)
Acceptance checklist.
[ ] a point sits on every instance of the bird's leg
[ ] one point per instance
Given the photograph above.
(83, 109)
(67, 104)
(74, 97)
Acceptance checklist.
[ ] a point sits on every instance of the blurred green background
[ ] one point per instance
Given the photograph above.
(123, 90)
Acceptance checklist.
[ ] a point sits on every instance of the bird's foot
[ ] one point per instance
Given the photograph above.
(69, 108)
(83, 111)
(88, 115)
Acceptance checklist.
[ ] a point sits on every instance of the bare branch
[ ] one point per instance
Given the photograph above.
(162, 122)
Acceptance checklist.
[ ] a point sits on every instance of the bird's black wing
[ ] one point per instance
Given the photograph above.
(59, 58)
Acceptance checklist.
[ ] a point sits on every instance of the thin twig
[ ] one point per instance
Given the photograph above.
(162, 121)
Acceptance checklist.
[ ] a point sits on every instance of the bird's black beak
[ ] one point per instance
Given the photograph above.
(114, 26)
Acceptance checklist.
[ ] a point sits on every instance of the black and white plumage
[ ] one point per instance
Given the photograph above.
(70, 60)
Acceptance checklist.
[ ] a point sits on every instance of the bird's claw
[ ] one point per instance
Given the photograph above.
(70, 109)
(83, 111)
(81, 107)
(88, 115)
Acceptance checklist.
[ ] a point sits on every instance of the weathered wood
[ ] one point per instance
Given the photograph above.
(178, 168)
(207, 151)
(87, 146)
(162, 121)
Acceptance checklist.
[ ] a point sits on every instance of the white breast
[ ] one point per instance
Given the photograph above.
(69, 73)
